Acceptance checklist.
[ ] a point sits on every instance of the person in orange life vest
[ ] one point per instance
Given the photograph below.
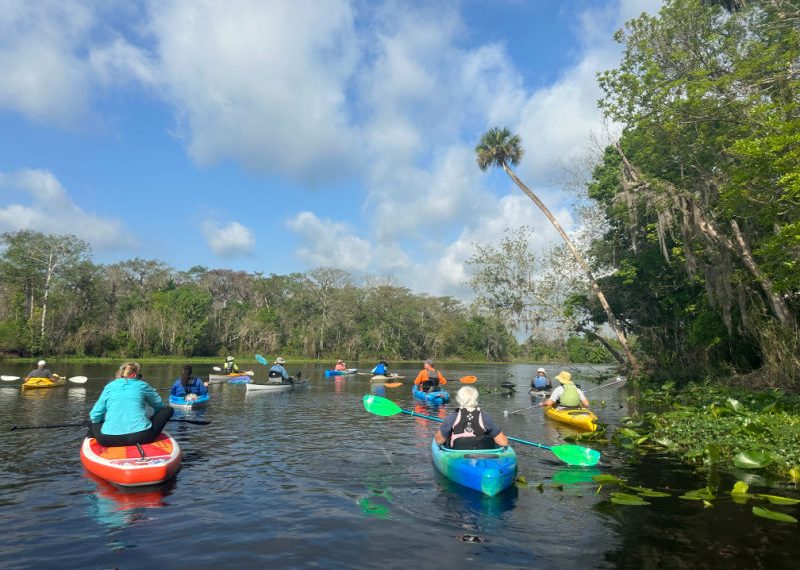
(429, 379)
(469, 427)
(340, 365)
(568, 395)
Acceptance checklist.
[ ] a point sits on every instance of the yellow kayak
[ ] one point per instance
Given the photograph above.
(578, 418)
(44, 382)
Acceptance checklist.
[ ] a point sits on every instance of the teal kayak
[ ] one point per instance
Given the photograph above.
(180, 402)
(490, 471)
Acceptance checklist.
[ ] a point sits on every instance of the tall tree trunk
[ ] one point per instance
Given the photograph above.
(612, 320)
(50, 269)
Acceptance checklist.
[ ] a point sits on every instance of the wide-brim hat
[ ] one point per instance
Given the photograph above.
(229, 359)
(541, 370)
(564, 377)
(280, 361)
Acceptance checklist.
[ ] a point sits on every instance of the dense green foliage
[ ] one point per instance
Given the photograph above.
(719, 426)
(702, 192)
(145, 308)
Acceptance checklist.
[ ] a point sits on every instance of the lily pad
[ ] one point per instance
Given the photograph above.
(734, 405)
(751, 460)
(774, 515)
(647, 492)
(777, 500)
(703, 494)
(604, 478)
(628, 499)
(740, 488)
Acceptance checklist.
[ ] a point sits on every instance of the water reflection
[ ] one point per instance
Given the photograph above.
(118, 507)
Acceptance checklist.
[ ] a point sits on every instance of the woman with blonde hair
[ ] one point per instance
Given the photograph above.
(469, 427)
(119, 417)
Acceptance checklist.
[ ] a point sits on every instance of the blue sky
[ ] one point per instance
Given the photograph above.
(281, 136)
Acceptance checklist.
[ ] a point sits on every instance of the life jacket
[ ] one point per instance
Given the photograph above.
(432, 383)
(231, 367)
(540, 382)
(469, 430)
(379, 369)
(570, 398)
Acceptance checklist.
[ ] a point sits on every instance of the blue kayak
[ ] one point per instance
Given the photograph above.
(490, 471)
(329, 373)
(180, 402)
(438, 397)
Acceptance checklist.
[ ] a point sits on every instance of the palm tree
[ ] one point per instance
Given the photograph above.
(498, 147)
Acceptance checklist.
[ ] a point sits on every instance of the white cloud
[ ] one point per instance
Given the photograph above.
(330, 243)
(262, 83)
(50, 210)
(229, 240)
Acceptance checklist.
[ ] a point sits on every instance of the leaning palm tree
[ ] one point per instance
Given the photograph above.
(498, 147)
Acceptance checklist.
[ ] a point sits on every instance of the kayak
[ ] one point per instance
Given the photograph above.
(578, 418)
(276, 386)
(232, 378)
(382, 378)
(438, 397)
(44, 382)
(538, 393)
(180, 402)
(133, 465)
(329, 373)
(490, 471)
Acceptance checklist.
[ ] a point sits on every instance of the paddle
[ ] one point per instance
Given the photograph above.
(468, 379)
(261, 360)
(8, 378)
(85, 424)
(216, 369)
(78, 379)
(392, 384)
(619, 380)
(569, 454)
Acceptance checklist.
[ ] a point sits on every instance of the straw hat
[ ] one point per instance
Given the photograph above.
(280, 360)
(564, 377)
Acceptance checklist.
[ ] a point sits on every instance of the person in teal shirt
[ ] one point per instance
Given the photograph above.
(187, 387)
(119, 417)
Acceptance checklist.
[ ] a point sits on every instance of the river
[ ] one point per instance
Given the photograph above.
(309, 479)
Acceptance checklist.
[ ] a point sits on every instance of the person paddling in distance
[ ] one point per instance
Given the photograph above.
(429, 379)
(187, 387)
(278, 374)
(119, 417)
(230, 366)
(469, 427)
(41, 371)
(340, 365)
(568, 395)
(541, 381)
(381, 369)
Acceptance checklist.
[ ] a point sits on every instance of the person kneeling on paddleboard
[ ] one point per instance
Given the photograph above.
(568, 395)
(469, 427)
(187, 387)
(119, 417)
(429, 378)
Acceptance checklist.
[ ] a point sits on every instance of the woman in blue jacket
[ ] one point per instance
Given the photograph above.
(119, 417)
(187, 387)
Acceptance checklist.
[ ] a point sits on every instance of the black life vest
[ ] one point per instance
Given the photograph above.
(469, 432)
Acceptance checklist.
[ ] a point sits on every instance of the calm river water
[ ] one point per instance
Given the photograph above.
(309, 479)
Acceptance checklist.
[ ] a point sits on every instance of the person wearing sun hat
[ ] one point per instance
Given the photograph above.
(568, 395)
(541, 381)
(277, 374)
(230, 366)
(340, 365)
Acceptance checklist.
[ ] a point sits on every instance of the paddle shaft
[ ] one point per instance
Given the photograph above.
(84, 424)
(617, 381)
(440, 420)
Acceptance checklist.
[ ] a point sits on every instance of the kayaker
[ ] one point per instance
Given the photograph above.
(541, 381)
(40, 372)
(278, 374)
(119, 417)
(429, 379)
(187, 387)
(469, 427)
(340, 365)
(381, 369)
(568, 395)
(230, 366)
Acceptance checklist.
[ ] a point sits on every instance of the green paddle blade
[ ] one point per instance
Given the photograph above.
(380, 406)
(576, 455)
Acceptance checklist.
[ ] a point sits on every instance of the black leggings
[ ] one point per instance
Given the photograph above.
(159, 420)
